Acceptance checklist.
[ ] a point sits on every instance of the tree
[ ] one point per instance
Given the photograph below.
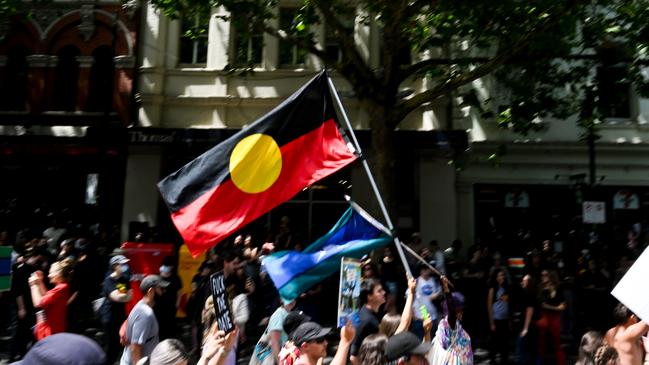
(541, 51)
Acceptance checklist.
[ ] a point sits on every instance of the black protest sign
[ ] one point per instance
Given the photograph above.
(221, 302)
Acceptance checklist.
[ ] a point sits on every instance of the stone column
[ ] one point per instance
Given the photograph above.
(85, 64)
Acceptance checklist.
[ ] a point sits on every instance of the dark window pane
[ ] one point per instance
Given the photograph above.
(66, 76)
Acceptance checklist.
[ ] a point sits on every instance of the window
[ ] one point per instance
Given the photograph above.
(332, 48)
(248, 45)
(289, 54)
(66, 77)
(193, 40)
(613, 85)
(101, 80)
(13, 88)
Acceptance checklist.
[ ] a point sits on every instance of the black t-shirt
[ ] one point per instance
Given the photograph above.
(368, 325)
(166, 304)
(531, 301)
(20, 285)
(114, 312)
(555, 300)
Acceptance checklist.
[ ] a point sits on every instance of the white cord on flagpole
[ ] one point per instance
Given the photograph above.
(366, 166)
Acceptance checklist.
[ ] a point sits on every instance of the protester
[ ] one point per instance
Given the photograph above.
(169, 352)
(372, 351)
(451, 344)
(142, 327)
(53, 302)
(526, 345)
(407, 349)
(626, 336)
(22, 334)
(273, 337)
(391, 324)
(428, 291)
(217, 347)
(590, 342)
(194, 309)
(167, 306)
(552, 304)
(310, 338)
(606, 355)
(372, 297)
(289, 353)
(64, 349)
(116, 291)
(499, 321)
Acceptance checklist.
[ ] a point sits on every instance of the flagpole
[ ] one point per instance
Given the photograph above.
(375, 187)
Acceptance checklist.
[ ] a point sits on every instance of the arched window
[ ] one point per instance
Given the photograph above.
(66, 78)
(100, 90)
(13, 88)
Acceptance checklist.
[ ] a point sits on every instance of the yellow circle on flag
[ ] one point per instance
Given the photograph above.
(255, 163)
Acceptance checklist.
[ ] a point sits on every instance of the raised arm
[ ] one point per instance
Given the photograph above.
(406, 315)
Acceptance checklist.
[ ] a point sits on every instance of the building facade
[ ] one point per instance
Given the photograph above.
(183, 84)
(66, 77)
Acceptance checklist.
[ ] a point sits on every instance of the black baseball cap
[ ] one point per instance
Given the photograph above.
(403, 344)
(309, 331)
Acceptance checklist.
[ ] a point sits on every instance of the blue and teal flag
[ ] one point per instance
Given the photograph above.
(355, 234)
(5, 268)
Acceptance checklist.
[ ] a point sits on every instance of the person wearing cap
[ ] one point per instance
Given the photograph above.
(451, 344)
(116, 291)
(142, 326)
(64, 349)
(310, 338)
(406, 348)
(289, 353)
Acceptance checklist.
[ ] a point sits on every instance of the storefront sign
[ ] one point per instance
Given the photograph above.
(626, 199)
(517, 199)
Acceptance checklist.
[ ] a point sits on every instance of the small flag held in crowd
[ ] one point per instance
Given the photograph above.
(354, 235)
(516, 262)
(5, 268)
(258, 168)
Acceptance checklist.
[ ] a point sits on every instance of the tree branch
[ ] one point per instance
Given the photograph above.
(406, 106)
(306, 43)
(355, 69)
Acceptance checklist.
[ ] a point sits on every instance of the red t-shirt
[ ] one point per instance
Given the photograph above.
(55, 305)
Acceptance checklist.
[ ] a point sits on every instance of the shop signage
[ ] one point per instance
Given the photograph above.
(626, 199)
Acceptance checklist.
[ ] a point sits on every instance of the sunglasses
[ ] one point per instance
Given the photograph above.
(318, 340)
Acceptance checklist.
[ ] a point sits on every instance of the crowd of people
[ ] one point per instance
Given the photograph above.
(64, 283)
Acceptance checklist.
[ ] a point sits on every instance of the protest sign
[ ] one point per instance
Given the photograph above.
(349, 291)
(632, 289)
(221, 302)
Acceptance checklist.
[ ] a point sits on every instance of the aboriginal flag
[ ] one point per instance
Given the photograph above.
(258, 168)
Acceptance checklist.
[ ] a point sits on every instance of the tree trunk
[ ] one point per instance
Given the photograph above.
(382, 157)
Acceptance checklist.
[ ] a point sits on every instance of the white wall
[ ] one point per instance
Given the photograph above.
(140, 192)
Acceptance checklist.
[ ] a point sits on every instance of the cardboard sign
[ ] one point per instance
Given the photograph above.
(349, 291)
(221, 302)
(632, 289)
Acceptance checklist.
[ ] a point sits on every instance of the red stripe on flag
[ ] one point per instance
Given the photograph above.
(223, 210)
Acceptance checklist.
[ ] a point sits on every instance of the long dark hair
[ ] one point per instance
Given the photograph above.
(372, 350)
(493, 281)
